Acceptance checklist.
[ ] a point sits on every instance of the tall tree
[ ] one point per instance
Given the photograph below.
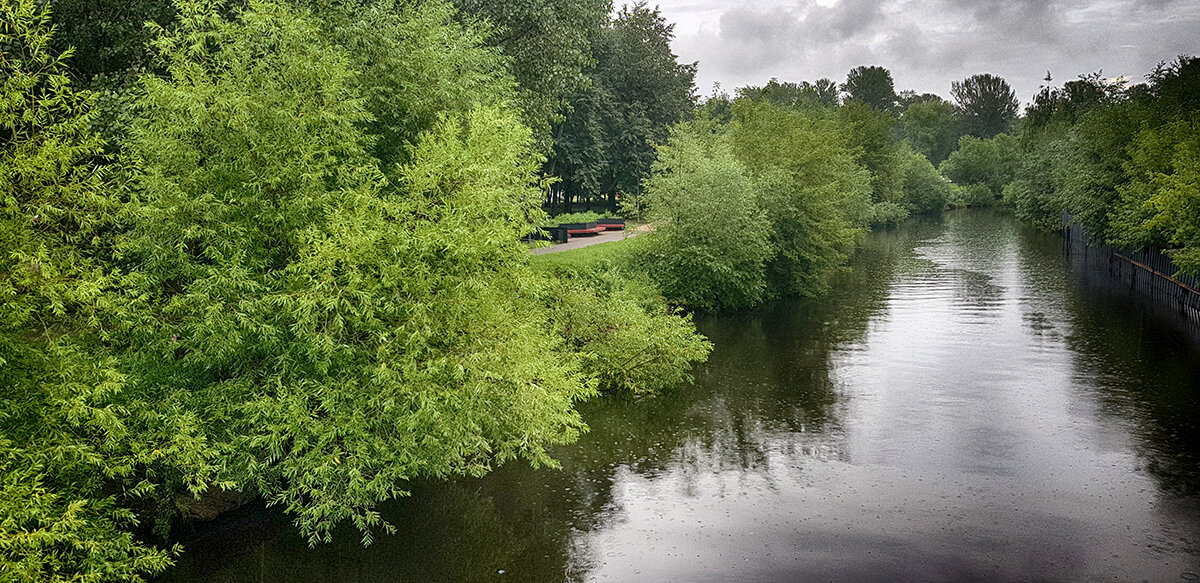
(932, 127)
(872, 86)
(331, 333)
(639, 90)
(988, 104)
(549, 44)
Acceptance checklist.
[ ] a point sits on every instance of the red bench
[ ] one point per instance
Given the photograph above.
(591, 231)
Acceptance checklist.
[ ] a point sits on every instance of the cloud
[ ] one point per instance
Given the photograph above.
(929, 43)
(845, 20)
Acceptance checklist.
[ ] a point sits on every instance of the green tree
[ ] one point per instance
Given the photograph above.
(64, 441)
(414, 64)
(710, 240)
(988, 104)
(1066, 105)
(651, 92)
(638, 91)
(871, 86)
(817, 198)
(549, 46)
(989, 163)
(869, 132)
(1160, 204)
(1094, 167)
(329, 332)
(803, 95)
(931, 127)
(925, 190)
(1035, 193)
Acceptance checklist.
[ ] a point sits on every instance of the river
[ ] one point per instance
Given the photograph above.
(961, 406)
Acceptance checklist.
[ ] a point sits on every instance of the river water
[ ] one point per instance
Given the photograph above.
(961, 407)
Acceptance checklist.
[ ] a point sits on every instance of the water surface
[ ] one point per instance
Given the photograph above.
(960, 407)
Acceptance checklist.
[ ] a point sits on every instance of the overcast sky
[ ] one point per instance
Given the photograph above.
(928, 44)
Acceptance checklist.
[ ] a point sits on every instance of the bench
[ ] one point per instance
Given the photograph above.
(586, 231)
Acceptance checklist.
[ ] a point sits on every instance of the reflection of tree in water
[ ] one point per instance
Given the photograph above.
(767, 388)
(1144, 368)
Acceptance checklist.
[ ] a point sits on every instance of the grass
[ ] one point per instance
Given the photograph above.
(584, 258)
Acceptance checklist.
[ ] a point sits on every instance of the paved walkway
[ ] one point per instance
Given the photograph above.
(605, 237)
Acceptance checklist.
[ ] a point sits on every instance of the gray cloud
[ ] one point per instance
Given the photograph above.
(846, 19)
(929, 43)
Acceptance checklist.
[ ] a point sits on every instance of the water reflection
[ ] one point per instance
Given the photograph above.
(956, 409)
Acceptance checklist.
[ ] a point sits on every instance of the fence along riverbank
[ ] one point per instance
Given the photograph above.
(1147, 274)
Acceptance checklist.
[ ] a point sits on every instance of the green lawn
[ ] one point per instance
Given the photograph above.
(584, 258)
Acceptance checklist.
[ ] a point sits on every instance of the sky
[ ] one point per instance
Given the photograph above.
(928, 44)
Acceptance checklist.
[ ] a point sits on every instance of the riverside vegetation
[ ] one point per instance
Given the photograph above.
(273, 248)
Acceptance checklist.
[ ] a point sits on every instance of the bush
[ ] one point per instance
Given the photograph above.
(626, 335)
(925, 190)
(710, 240)
(584, 217)
(989, 162)
(971, 195)
(887, 213)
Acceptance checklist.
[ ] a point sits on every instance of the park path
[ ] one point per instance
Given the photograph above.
(605, 237)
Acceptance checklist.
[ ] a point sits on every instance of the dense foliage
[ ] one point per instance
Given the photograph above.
(302, 280)
(983, 167)
(616, 321)
(1120, 161)
(711, 237)
(605, 147)
(275, 251)
(64, 437)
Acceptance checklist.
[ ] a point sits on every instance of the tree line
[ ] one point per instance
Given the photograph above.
(765, 193)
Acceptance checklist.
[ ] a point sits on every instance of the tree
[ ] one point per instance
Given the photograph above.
(869, 133)
(1066, 105)
(825, 92)
(816, 196)
(1160, 204)
(931, 127)
(549, 46)
(1035, 193)
(697, 261)
(329, 333)
(872, 86)
(822, 94)
(989, 163)
(64, 439)
(988, 104)
(639, 90)
(925, 191)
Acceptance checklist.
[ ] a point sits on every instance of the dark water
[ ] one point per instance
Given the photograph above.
(961, 407)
